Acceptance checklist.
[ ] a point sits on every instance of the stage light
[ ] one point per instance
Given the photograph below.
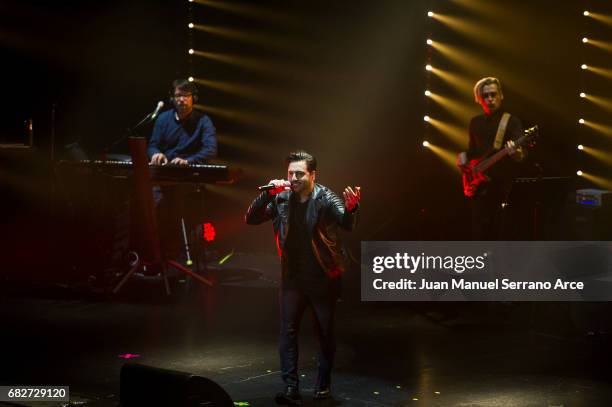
(604, 45)
(259, 93)
(426, 118)
(581, 121)
(448, 157)
(191, 51)
(430, 14)
(579, 173)
(586, 14)
(601, 155)
(580, 147)
(429, 42)
(452, 131)
(456, 80)
(426, 143)
(190, 25)
(263, 121)
(603, 102)
(427, 93)
(598, 127)
(253, 10)
(458, 109)
(585, 40)
(428, 67)
(605, 72)
(208, 232)
(129, 355)
(226, 257)
(582, 94)
(190, 79)
(584, 66)
(253, 37)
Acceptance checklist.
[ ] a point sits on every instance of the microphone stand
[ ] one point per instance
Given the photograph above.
(129, 132)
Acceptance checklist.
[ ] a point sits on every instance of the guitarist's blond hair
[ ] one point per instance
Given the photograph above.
(489, 80)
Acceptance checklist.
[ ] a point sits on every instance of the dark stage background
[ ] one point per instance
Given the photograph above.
(343, 80)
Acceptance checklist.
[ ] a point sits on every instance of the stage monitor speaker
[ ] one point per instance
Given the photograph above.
(151, 386)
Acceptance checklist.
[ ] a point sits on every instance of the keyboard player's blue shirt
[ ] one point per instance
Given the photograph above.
(193, 139)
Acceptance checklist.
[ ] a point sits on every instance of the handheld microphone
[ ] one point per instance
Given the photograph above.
(266, 187)
(270, 186)
(159, 107)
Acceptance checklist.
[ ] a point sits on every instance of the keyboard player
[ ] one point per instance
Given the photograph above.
(181, 136)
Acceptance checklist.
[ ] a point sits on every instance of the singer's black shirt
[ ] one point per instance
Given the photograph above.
(305, 272)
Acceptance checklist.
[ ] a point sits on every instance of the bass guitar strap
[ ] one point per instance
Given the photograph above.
(501, 130)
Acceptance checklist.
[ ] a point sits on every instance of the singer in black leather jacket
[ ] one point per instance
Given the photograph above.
(306, 218)
(324, 214)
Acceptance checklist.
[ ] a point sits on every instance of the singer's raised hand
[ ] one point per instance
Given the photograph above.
(280, 186)
(351, 197)
(158, 159)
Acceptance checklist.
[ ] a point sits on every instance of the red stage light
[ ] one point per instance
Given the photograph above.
(208, 232)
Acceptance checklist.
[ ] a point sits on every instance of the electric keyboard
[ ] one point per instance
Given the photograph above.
(168, 173)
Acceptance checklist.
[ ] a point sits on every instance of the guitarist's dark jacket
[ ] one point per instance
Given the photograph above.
(324, 215)
(483, 129)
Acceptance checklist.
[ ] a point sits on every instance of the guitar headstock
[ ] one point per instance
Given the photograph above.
(530, 135)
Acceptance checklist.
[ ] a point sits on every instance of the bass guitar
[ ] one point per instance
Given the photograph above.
(474, 172)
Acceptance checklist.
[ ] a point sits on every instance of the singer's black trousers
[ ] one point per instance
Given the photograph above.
(293, 304)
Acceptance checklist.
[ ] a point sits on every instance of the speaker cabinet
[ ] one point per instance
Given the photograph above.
(151, 386)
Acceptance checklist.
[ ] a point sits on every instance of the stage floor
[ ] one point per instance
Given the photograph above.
(389, 354)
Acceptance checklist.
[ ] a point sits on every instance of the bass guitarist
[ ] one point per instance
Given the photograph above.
(489, 133)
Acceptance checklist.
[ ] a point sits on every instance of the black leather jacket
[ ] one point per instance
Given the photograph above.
(324, 214)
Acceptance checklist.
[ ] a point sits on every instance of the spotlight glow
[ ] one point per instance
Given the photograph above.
(190, 79)
(448, 157)
(579, 173)
(586, 13)
(582, 94)
(580, 147)
(584, 66)
(191, 51)
(585, 40)
(190, 25)
(581, 121)
(430, 14)
(428, 67)
(426, 118)
(427, 93)
(426, 143)
(429, 42)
